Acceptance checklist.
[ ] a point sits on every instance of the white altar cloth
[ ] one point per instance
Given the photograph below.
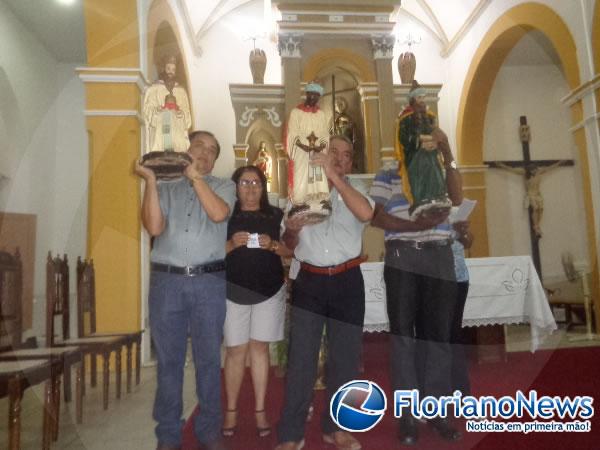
(503, 290)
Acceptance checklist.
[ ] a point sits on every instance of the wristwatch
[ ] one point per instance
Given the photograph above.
(452, 165)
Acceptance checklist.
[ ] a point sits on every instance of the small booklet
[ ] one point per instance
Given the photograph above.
(462, 212)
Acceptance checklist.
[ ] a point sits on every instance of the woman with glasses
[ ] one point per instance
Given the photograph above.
(255, 293)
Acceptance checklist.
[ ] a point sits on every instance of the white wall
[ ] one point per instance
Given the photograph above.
(533, 91)
(224, 60)
(431, 67)
(71, 164)
(459, 60)
(44, 147)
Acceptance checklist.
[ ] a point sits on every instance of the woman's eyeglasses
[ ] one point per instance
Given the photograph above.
(246, 183)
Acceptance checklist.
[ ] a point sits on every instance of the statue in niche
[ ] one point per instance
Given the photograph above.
(166, 112)
(345, 126)
(264, 161)
(419, 159)
(307, 134)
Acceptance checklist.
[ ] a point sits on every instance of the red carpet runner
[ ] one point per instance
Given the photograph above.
(567, 372)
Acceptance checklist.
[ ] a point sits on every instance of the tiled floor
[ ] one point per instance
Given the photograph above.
(518, 338)
(128, 424)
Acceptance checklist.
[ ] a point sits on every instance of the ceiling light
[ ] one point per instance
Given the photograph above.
(66, 2)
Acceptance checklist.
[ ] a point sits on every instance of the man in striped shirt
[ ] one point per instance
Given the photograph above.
(421, 287)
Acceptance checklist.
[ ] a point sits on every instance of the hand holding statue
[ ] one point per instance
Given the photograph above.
(296, 223)
(191, 172)
(427, 221)
(326, 161)
(144, 172)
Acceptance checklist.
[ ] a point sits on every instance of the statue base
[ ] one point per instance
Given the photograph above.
(431, 208)
(312, 213)
(168, 165)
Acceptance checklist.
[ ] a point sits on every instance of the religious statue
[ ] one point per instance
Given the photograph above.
(533, 196)
(264, 161)
(343, 124)
(166, 112)
(307, 134)
(419, 160)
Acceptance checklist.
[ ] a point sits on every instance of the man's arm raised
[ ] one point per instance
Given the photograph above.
(356, 202)
(152, 217)
(216, 208)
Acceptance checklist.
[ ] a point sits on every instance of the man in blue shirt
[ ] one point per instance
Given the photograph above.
(328, 291)
(188, 220)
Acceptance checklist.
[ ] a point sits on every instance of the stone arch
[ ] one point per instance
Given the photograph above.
(485, 64)
(353, 62)
(500, 39)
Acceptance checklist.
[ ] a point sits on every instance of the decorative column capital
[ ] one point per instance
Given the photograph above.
(290, 45)
(241, 154)
(368, 91)
(383, 46)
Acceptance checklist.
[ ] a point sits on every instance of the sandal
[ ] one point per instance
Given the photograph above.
(262, 431)
(230, 431)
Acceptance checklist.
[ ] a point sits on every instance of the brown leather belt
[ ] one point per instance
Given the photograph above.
(333, 270)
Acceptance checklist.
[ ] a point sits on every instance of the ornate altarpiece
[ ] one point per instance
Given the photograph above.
(352, 40)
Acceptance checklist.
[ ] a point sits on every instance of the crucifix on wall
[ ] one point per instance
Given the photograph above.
(532, 170)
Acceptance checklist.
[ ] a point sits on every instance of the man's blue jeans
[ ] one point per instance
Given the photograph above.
(180, 305)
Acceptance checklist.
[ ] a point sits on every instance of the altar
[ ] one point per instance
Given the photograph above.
(503, 290)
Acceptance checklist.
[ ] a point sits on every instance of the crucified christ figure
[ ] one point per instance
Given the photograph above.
(533, 196)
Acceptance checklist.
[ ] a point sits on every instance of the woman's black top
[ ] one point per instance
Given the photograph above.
(254, 274)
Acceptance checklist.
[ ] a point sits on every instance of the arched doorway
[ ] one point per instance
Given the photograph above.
(350, 71)
(501, 38)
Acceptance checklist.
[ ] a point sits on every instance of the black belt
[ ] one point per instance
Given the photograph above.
(190, 271)
(396, 244)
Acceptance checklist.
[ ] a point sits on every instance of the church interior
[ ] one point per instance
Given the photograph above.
(514, 84)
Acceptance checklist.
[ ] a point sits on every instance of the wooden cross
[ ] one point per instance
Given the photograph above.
(532, 170)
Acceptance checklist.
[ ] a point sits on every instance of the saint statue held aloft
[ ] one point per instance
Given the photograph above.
(307, 134)
(167, 118)
(419, 161)
(167, 112)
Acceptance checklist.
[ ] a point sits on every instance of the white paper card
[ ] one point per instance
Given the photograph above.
(462, 212)
(253, 241)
